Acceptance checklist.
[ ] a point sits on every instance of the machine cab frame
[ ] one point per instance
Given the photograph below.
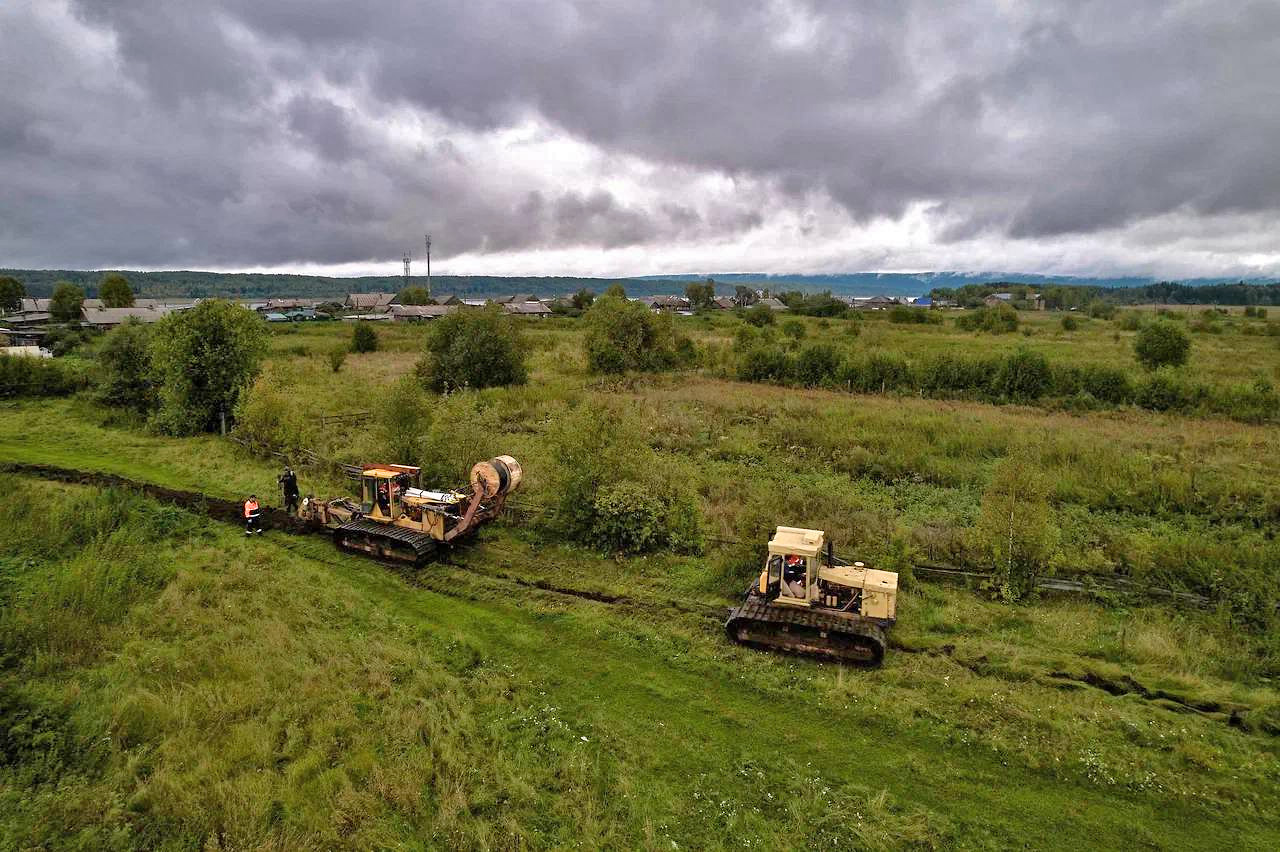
(382, 490)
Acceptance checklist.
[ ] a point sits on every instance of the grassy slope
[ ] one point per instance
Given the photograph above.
(276, 691)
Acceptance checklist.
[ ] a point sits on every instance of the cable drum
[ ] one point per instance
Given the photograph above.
(500, 475)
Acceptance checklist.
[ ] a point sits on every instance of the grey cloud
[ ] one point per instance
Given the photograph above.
(1019, 122)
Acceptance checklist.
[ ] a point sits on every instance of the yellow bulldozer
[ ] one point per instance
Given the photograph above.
(394, 518)
(809, 601)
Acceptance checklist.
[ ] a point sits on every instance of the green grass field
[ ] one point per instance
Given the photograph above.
(169, 684)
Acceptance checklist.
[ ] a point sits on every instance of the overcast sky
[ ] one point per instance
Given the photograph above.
(629, 138)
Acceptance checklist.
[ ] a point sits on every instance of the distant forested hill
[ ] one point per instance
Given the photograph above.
(1224, 291)
(39, 282)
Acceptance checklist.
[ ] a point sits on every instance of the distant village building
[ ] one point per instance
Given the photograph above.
(529, 308)
(373, 303)
(105, 318)
(420, 313)
(665, 303)
(772, 304)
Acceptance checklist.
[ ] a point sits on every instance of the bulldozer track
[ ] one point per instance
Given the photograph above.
(807, 632)
(374, 539)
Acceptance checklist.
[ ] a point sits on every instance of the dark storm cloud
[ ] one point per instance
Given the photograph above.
(255, 132)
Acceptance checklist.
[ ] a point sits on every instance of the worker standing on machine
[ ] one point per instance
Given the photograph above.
(252, 515)
(289, 487)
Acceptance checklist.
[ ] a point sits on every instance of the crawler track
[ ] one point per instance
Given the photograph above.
(385, 542)
(812, 634)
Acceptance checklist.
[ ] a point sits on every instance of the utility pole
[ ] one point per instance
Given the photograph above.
(406, 272)
(428, 266)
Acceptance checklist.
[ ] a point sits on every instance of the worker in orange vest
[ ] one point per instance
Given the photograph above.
(252, 514)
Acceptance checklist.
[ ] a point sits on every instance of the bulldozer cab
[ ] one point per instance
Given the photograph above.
(791, 568)
(382, 491)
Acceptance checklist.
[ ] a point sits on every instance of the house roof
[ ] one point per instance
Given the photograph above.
(367, 301)
(723, 302)
(447, 299)
(422, 311)
(35, 304)
(115, 316)
(518, 298)
(772, 304)
(526, 308)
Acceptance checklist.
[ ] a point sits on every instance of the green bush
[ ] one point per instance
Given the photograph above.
(364, 338)
(906, 315)
(945, 374)
(877, 373)
(1099, 309)
(337, 357)
(473, 349)
(1023, 376)
(817, 365)
(1107, 384)
(759, 315)
(794, 328)
(995, 319)
(623, 336)
(204, 358)
(613, 491)
(627, 518)
(1015, 531)
(1165, 390)
(21, 377)
(12, 292)
(1257, 402)
(765, 363)
(126, 376)
(1069, 323)
(1129, 321)
(1162, 344)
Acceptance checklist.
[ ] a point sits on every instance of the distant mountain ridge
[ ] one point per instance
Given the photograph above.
(920, 283)
(186, 283)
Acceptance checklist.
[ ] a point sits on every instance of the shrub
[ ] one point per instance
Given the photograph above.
(794, 328)
(627, 518)
(817, 364)
(1069, 323)
(403, 422)
(877, 373)
(1162, 344)
(1252, 403)
(204, 358)
(21, 376)
(996, 319)
(1106, 384)
(945, 374)
(904, 315)
(1023, 376)
(764, 363)
(624, 336)
(759, 315)
(364, 338)
(1164, 390)
(1015, 531)
(127, 379)
(612, 490)
(1129, 321)
(473, 349)
(1099, 309)
(337, 356)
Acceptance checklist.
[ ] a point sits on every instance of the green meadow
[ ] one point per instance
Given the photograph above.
(168, 683)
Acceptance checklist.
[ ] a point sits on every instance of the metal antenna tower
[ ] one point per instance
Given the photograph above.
(406, 271)
(428, 266)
